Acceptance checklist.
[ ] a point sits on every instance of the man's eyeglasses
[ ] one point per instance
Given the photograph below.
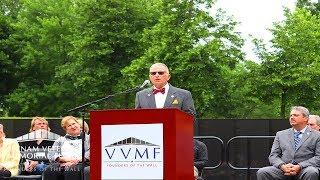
(154, 73)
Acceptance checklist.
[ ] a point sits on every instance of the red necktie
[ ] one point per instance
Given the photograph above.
(162, 90)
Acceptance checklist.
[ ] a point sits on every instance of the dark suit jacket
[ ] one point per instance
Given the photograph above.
(200, 155)
(176, 98)
(307, 154)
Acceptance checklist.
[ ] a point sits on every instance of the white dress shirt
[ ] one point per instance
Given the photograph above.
(302, 131)
(161, 98)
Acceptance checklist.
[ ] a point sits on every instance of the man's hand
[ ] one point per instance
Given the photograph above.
(295, 169)
(290, 169)
(286, 168)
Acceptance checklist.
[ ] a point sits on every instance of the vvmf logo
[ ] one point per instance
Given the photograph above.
(132, 150)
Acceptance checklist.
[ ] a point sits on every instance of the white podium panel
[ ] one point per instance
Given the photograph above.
(131, 151)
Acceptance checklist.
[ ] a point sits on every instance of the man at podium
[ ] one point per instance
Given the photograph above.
(163, 94)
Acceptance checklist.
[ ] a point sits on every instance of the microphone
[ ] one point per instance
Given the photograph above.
(136, 88)
(144, 84)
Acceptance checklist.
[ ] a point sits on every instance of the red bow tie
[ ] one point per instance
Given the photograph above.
(162, 90)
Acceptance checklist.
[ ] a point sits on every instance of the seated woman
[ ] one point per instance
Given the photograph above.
(9, 156)
(38, 124)
(66, 153)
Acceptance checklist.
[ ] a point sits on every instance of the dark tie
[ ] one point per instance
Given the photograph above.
(155, 91)
(296, 139)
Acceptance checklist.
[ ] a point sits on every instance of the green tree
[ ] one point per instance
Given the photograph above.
(243, 92)
(198, 49)
(290, 74)
(106, 39)
(73, 51)
(10, 8)
(314, 7)
(9, 56)
(42, 31)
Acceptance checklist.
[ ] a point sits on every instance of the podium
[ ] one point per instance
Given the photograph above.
(141, 144)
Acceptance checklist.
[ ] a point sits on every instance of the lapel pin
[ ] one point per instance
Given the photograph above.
(175, 102)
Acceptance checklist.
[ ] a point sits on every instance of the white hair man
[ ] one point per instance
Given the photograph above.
(314, 122)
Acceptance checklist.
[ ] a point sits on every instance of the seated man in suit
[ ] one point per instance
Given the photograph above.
(314, 122)
(200, 157)
(163, 94)
(295, 151)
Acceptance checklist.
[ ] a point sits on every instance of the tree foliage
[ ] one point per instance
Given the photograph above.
(42, 30)
(9, 56)
(244, 93)
(313, 7)
(290, 73)
(197, 48)
(57, 54)
(73, 51)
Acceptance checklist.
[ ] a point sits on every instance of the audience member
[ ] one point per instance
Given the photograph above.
(295, 151)
(86, 127)
(9, 156)
(200, 157)
(163, 94)
(314, 122)
(66, 154)
(34, 166)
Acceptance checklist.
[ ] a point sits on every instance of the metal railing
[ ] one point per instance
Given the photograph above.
(249, 159)
(222, 150)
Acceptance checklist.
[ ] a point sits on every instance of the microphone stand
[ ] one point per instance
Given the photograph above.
(82, 108)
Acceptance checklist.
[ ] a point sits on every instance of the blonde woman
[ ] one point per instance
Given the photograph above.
(39, 123)
(66, 154)
(33, 166)
(9, 156)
